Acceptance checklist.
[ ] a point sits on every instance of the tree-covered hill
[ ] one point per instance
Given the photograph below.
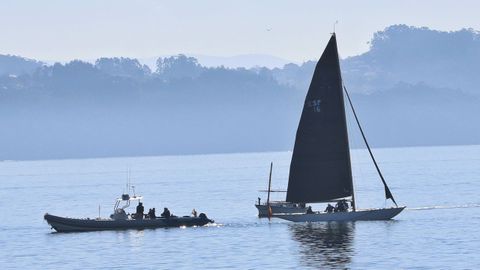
(414, 86)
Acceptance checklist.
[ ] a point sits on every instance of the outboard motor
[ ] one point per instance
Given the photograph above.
(204, 217)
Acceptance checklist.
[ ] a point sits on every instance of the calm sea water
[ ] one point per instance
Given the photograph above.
(440, 228)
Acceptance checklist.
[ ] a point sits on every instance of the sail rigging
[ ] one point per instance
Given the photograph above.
(388, 193)
(320, 169)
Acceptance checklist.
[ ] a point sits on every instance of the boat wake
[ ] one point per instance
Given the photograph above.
(469, 205)
(213, 225)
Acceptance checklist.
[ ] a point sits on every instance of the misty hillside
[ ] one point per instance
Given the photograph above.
(15, 65)
(414, 86)
(412, 55)
(405, 54)
(236, 61)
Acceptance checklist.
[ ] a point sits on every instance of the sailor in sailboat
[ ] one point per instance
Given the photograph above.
(329, 208)
(320, 170)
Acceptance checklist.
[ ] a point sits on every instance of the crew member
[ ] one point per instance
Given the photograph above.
(329, 208)
(140, 209)
(151, 213)
(166, 213)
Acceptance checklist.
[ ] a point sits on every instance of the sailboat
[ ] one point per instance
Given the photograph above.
(320, 170)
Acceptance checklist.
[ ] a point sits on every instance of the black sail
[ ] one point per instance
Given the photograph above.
(320, 169)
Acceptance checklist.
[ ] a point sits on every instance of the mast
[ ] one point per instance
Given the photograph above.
(269, 184)
(349, 160)
(269, 209)
(388, 194)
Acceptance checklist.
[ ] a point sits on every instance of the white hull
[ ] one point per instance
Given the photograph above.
(364, 214)
(280, 208)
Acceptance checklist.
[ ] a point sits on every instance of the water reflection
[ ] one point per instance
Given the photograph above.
(325, 245)
(135, 238)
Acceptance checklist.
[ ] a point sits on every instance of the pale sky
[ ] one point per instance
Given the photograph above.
(88, 29)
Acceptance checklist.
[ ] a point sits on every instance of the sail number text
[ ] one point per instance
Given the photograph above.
(314, 104)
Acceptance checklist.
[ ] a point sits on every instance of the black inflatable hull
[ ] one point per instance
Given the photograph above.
(64, 224)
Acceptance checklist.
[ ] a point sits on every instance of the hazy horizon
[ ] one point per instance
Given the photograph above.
(287, 30)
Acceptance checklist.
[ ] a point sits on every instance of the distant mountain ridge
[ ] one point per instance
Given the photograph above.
(236, 61)
(414, 86)
(17, 65)
(408, 54)
(405, 54)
